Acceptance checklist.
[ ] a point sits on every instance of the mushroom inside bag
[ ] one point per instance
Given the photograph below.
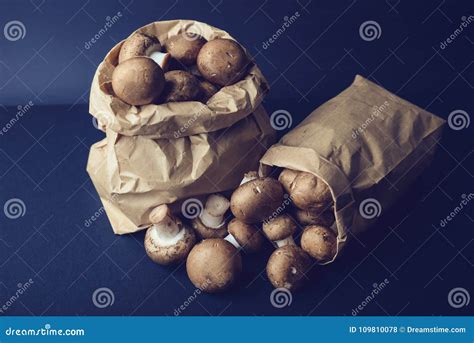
(352, 157)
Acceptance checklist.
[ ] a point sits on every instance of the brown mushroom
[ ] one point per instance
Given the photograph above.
(180, 86)
(320, 242)
(167, 241)
(287, 267)
(185, 47)
(257, 200)
(309, 192)
(140, 44)
(214, 265)
(222, 61)
(286, 178)
(211, 222)
(280, 230)
(325, 218)
(138, 81)
(244, 236)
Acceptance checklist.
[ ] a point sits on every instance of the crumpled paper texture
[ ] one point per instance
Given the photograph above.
(367, 144)
(166, 153)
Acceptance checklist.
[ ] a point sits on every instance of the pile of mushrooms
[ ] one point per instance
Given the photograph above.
(185, 68)
(261, 201)
(259, 208)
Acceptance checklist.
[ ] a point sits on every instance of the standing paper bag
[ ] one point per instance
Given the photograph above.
(157, 154)
(367, 144)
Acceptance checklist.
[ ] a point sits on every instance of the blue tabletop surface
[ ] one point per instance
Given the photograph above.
(58, 261)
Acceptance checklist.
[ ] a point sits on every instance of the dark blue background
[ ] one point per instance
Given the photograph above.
(43, 156)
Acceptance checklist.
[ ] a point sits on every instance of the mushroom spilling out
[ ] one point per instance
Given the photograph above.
(244, 236)
(140, 44)
(167, 241)
(287, 267)
(325, 218)
(214, 265)
(138, 81)
(280, 230)
(286, 178)
(256, 200)
(185, 47)
(222, 61)
(320, 242)
(307, 191)
(181, 86)
(211, 221)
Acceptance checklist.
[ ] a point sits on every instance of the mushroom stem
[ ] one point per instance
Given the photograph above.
(252, 175)
(213, 214)
(166, 230)
(282, 242)
(161, 58)
(231, 239)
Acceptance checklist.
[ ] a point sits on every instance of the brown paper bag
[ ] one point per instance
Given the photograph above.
(367, 144)
(157, 154)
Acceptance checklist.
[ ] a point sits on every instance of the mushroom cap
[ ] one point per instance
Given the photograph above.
(325, 218)
(169, 254)
(217, 205)
(214, 265)
(138, 81)
(320, 242)
(257, 200)
(207, 90)
(204, 232)
(180, 86)
(222, 61)
(159, 214)
(138, 44)
(309, 192)
(280, 227)
(286, 178)
(287, 267)
(185, 47)
(247, 235)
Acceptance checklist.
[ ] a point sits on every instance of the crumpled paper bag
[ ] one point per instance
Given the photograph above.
(367, 144)
(157, 154)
